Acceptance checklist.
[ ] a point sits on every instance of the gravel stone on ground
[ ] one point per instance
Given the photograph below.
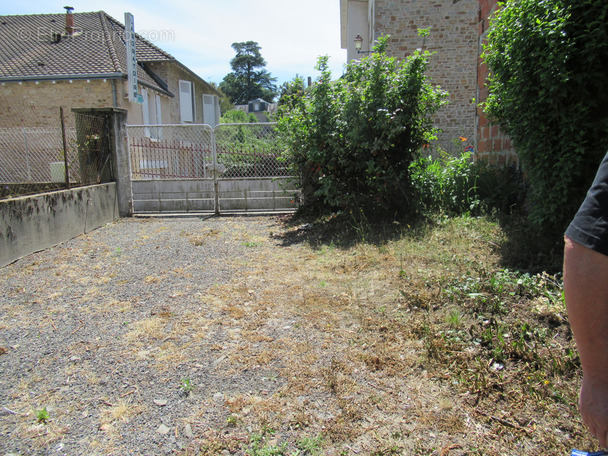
(113, 334)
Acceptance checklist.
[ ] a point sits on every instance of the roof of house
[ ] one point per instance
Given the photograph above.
(37, 46)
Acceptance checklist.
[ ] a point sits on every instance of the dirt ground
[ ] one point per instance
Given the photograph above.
(197, 336)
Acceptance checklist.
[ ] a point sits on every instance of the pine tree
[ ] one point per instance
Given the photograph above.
(249, 79)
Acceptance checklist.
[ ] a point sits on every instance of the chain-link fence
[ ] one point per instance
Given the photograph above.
(32, 152)
(187, 151)
(38, 145)
(250, 150)
(170, 151)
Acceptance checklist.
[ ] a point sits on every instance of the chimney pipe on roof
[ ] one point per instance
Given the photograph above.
(69, 20)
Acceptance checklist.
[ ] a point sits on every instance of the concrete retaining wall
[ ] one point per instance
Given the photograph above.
(32, 223)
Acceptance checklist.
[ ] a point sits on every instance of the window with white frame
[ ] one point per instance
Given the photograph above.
(186, 101)
(145, 111)
(211, 110)
(151, 114)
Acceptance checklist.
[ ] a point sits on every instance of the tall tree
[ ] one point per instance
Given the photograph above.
(249, 79)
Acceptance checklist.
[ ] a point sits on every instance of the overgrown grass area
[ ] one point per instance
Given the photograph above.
(260, 336)
(402, 340)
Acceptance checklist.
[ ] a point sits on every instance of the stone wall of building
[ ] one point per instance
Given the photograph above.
(36, 104)
(453, 41)
(492, 144)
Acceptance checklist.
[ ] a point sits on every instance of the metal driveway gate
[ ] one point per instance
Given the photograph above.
(197, 168)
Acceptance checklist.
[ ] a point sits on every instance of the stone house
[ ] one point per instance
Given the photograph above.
(261, 109)
(452, 40)
(79, 60)
(458, 29)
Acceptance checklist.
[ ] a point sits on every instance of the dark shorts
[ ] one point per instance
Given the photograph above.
(590, 225)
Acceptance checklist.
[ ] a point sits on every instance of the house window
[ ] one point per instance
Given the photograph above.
(211, 110)
(145, 111)
(156, 118)
(151, 114)
(186, 101)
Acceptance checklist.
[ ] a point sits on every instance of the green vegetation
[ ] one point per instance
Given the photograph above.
(259, 447)
(42, 416)
(454, 185)
(307, 446)
(249, 79)
(290, 92)
(186, 386)
(547, 92)
(237, 116)
(353, 140)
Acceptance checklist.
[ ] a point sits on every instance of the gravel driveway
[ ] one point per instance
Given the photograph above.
(113, 343)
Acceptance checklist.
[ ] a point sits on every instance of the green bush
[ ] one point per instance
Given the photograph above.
(457, 185)
(237, 116)
(353, 140)
(548, 93)
(445, 184)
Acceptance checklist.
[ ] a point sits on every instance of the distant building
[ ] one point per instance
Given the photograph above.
(458, 29)
(453, 40)
(79, 60)
(260, 108)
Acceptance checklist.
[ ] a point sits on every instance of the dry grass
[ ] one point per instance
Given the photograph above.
(421, 344)
(414, 342)
(151, 328)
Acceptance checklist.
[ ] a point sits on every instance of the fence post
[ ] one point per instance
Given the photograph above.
(122, 161)
(216, 184)
(65, 149)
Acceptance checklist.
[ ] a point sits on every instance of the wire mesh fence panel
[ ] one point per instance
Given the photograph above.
(31, 155)
(170, 151)
(45, 148)
(194, 167)
(94, 156)
(250, 150)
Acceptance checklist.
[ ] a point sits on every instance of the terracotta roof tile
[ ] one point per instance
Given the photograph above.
(37, 45)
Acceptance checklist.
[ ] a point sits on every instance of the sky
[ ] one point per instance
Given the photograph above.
(292, 34)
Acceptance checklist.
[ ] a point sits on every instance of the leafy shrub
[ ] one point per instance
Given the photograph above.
(353, 140)
(460, 185)
(547, 91)
(237, 116)
(445, 184)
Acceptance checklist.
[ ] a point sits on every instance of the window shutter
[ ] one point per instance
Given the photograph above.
(186, 107)
(145, 107)
(209, 116)
(159, 118)
(145, 111)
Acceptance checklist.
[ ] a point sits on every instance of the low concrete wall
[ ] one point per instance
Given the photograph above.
(32, 223)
